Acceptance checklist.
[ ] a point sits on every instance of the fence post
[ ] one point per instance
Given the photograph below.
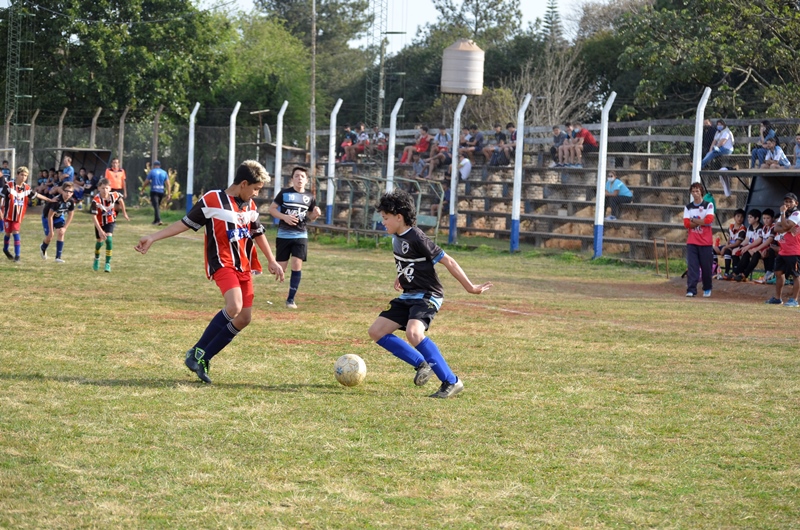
(8, 129)
(93, 132)
(59, 140)
(518, 154)
(30, 146)
(451, 236)
(232, 144)
(190, 162)
(331, 164)
(392, 146)
(121, 140)
(154, 151)
(279, 151)
(697, 154)
(600, 201)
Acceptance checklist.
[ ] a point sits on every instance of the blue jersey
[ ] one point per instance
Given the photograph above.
(6, 174)
(415, 256)
(70, 172)
(293, 202)
(158, 179)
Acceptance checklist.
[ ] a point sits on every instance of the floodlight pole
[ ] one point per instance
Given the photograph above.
(697, 154)
(392, 145)
(600, 194)
(232, 144)
(451, 237)
(190, 162)
(331, 164)
(279, 151)
(519, 148)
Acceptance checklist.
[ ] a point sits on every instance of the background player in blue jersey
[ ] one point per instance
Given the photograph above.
(415, 256)
(158, 180)
(59, 216)
(293, 207)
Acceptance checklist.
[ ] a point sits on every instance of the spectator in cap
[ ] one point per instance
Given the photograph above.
(158, 180)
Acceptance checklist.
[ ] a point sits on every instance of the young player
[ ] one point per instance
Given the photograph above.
(788, 260)
(15, 198)
(752, 240)
(736, 236)
(230, 218)
(104, 212)
(294, 207)
(59, 216)
(698, 215)
(415, 256)
(750, 257)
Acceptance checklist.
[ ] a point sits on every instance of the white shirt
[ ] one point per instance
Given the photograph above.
(727, 136)
(465, 168)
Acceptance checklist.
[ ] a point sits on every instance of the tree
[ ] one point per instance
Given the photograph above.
(487, 22)
(551, 27)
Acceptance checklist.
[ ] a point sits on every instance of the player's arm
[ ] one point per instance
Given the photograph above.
(174, 229)
(275, 211)
(69, 218)
(50, 215)
(124, 212)
(272, 265)
(314, 214)
(145, 183)
(458, 273)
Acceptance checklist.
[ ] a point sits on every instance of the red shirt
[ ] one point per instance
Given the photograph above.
(16, 201)
(699, 235)
(790, 244)
(588, 138)
(105, 209)
(231, 224)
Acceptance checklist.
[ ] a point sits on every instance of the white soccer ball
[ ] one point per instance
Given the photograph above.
(350, 369)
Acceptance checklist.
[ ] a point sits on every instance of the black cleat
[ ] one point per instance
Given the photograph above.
(16, 258)
(198, 366)
(448, 390)
(424, 372)
(8, 254)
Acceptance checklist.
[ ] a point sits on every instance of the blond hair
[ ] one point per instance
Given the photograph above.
(23, 169)
(251, 171)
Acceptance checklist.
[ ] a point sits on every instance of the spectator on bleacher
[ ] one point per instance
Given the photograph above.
(378, 142)
(698, 215)
(775, 158)
(788, 260)
(797, 152)
(730, 251)
(510, 148)
(722, 144)
(464, 166)
(421, 146)
(419, 166)
(442, 141)
(584, 142)
(752, 239)
(493, 153)
(474, 144)
(766, 131)
(441, 156)
(617, 193)
(348, 140)
(464, 137)
(360, 145)
(555, 150)
(565, 149)
(708, 135)
(759, 248)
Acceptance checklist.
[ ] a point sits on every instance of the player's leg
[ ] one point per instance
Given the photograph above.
(6, 239)
(382, 332)
(109, 230)
(17, 244)
(48, 237)
(155, 201)
(60, 232)
(299, 253)
(98, 244)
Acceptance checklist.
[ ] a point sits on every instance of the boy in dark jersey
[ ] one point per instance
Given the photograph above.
(293, 207)
(415, 256)
(104, 212)
(230, 218)
(59, 216)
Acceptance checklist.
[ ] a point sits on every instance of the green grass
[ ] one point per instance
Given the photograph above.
(596, 396)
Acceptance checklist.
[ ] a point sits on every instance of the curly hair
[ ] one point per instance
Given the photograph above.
(398, 202)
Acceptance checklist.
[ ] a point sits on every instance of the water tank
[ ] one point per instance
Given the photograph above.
(462, 69)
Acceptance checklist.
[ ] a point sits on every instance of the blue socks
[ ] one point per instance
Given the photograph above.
(59, 249)
(401, 349)
(16, 245)
(433, 356)
(294, 283)
(218, 343)
(219, 321)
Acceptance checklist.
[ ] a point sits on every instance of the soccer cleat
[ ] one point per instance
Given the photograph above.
(768, 276)
(59, 260)
(43, 252)
(198, 366)
(448, 390)
(689, 295)
(16, 259)
(290, 304)
(96, 265)
(424, 372)
(774, 301)
(707, 294)
(791, 302)
(8, 254)
(108, 268)
(739, 277)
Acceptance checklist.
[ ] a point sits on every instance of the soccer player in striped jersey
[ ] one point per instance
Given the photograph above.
(15, 198)
(294, 207)
(415, 256)
(104, 212)
(232, 229)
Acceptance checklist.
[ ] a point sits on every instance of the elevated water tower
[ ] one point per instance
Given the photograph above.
(462, 69)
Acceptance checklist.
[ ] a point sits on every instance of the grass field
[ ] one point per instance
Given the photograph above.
(596, 396)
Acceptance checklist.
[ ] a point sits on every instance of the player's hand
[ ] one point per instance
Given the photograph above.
(276, 270)
(291, 220)
(317, 211)
(397, 286)
(126, 216)
(143, 246)
(480, 289)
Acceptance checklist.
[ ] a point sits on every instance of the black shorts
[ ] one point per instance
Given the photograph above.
(297, 247)
(108, 229)
(587, 148)
(59, 223)
(401, 311)
(788, 264)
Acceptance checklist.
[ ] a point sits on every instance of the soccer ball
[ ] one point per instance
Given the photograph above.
(350, 370)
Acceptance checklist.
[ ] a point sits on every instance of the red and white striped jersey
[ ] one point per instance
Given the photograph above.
(105, 209)
(16, 200)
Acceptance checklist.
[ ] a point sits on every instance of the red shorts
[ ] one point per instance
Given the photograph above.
(11, 226)
(228, 279)
(360, 148)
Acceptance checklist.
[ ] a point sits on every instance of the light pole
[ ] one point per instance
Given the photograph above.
(313, 138)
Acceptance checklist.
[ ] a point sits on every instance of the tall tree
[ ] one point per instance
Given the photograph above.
(487, 22)
(551, 25)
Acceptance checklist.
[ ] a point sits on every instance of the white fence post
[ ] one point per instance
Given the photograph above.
(278, 176)
(190, 162)
(232, 144)
(392, 145)
(600, 195)
(331, 164)
(697, 154)
(451, 237)
(516, 201)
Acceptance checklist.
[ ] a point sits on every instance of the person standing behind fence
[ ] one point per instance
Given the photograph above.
(617, 193)
(116, 177)
(158, 179)
(722, 144)
(698, 216)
